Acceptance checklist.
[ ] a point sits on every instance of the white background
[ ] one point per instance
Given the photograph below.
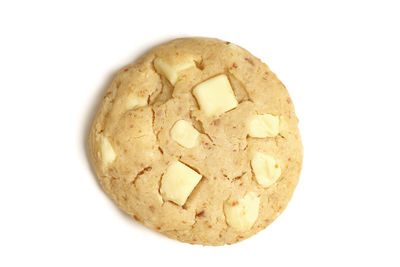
(340, 61)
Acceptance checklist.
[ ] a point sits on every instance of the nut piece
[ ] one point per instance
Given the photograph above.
(184, 134)
(133, 101)
(171, 72)
(266, 169)
(243, 213)
(107, 151)
(178, 182)
(265, 125)
(215, 96)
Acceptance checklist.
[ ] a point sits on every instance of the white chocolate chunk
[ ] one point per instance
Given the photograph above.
(107, 152)
(178, 182)
(184, 134)
(283, 124)
(266, 169)
(215, 96)
(265, 125)
(135, 102)
(171, 72)
(243, 213)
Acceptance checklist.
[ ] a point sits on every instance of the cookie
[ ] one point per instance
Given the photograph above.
(198, 140)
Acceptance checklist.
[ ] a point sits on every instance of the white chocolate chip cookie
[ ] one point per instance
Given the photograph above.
(198, 140)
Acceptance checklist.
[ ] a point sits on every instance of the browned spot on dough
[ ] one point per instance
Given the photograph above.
(249, 60)
(227, 43)
(194, 240)
(241, 236)
(216, 122)
(126, 69)
(136, 218)
(199, 65)
(209, 226)
(240, 184)
(289, 159)
(234, 66)
(158, 228)
(288, 100)
(234, 203)
(219, 235)
(151, 208)
(161, 151)
(200, 214)
(276, 166)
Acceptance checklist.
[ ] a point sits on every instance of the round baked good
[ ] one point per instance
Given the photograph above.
(198, 140)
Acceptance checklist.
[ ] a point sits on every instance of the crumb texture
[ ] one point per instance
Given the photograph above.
(198, 140)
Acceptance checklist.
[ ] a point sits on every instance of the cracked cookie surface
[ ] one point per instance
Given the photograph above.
(198, 140)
